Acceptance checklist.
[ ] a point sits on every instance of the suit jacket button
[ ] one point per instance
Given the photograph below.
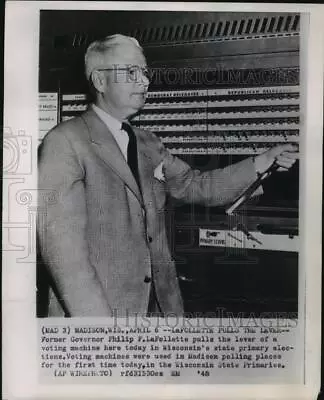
(147, 279)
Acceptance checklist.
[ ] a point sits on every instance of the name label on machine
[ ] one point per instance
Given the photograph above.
(238, 239)
(209, 237)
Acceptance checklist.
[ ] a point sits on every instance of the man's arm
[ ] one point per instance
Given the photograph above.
(211, 188)
(62, 228)
(221, 186)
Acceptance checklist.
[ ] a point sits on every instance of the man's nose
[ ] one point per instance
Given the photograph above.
(144, 80)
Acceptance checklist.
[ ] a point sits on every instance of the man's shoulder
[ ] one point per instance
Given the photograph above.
(71, 130)
(147, 137)
(151, 145)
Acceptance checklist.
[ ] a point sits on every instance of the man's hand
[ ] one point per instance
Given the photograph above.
(283, 155)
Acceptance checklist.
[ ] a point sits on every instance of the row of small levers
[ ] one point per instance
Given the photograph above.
(222, 101)
(170, 108)
(231, 139)
(223, 125)
(203, 111)
(211, 114)
(225, 149)
(193, 125)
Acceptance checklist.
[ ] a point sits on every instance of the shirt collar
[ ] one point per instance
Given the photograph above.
(110, 121)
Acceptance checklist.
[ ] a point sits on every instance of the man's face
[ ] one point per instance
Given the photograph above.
(125, 84)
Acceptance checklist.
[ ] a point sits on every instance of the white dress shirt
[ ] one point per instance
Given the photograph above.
(114, 126)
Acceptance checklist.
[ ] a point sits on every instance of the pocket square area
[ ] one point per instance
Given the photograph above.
(158, 173)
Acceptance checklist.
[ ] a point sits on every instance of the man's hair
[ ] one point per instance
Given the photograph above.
(96, 54)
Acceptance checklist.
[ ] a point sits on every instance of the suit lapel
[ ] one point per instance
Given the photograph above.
(108, 150)
(148, 159)
(145, 168)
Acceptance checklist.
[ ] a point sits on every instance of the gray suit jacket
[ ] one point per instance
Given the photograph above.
(102, 238)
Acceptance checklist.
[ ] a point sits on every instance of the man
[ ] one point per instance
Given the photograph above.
(103, 239)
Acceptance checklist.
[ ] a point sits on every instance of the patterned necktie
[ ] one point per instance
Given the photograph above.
(132, 159)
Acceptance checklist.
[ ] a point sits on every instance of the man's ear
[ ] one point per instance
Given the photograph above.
(98, 81)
